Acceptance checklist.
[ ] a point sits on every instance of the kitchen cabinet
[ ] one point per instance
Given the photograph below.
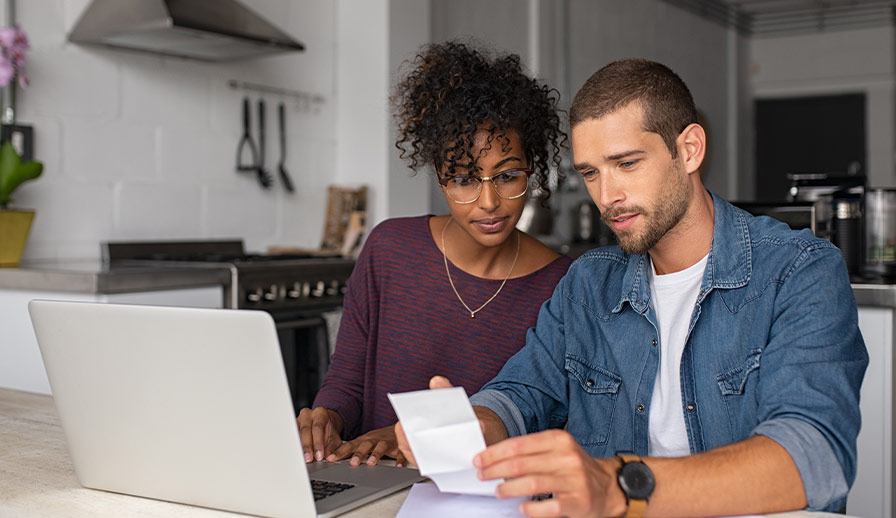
(872, 492)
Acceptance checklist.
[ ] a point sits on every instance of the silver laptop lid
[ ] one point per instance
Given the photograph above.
(179, 404)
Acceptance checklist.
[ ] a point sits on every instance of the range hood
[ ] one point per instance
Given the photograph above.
(208, 30)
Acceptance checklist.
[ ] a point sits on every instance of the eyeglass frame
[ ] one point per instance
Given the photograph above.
(443, 181)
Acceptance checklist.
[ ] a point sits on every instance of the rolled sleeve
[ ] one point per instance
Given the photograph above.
(811, 375)
(504, 407)
(823, 478)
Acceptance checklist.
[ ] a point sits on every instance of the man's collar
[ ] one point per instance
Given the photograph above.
(729, 265)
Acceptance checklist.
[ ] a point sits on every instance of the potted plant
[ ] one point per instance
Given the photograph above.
(14, 224)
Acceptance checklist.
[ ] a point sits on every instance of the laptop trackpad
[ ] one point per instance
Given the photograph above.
(379, 476)
(370, 482)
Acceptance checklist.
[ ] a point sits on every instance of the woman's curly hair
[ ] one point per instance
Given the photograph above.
(454, 90)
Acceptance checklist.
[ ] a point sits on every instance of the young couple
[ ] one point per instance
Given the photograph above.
(708, 365)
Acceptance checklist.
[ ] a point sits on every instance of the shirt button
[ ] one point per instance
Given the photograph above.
(640, 407)
(653, 343)
(691, 407)
(590, 383)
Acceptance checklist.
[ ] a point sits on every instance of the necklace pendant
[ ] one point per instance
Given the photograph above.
(451, 282)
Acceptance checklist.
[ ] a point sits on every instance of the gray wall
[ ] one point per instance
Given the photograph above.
(503, 24)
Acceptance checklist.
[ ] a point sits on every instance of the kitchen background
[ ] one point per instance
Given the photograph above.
(141, 146)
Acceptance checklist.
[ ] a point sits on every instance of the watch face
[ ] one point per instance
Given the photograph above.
(636, 480)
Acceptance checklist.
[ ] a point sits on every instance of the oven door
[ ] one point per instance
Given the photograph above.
(305, 346)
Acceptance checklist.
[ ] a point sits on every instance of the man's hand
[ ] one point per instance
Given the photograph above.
(319, 431)
(493, 429)
(551, 462)
(373, 445)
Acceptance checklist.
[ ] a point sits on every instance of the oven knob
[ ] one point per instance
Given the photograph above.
(319, 289)
(306, 289)
(333, 290)
(343, 288)
(271, 294)
(254, 296)
(294, 292)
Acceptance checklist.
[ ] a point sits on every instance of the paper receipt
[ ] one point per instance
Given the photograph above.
(444, 435)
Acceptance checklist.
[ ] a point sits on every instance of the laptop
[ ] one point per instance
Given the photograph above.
(192, 406)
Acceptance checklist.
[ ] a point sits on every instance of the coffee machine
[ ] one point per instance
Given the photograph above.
(880, 234)
(839, 202)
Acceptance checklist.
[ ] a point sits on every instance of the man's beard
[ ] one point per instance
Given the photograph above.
(666, 213)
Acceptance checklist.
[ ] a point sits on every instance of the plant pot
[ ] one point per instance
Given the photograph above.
(14, 227)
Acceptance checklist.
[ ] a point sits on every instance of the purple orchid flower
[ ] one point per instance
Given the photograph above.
(13, 44)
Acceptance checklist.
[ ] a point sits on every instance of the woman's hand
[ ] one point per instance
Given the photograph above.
(373, 446)
(319, 431)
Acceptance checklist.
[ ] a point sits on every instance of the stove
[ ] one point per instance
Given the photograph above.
(298, 290)
(274, 283)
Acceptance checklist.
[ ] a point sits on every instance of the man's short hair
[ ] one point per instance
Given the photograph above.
(665, 99)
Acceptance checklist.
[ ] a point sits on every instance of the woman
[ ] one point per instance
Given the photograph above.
(452, 294)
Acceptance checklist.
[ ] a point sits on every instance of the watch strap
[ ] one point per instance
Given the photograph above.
(635, 507)
(628, 457)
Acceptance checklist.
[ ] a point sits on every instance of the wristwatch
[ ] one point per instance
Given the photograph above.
(637, 482)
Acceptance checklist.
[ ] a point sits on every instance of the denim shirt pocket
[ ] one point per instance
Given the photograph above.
(732, 382)
(592, 401)
(739, 404)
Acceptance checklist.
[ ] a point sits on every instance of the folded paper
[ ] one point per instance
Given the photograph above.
(444, 435)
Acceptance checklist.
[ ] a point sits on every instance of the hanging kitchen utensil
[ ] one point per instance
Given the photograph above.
(264, 177)
(284, 176)
(246, 142)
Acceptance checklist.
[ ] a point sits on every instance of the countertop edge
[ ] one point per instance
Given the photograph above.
(112, 281)
(878, 295)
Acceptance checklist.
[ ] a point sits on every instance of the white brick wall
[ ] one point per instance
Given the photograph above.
(138, 146)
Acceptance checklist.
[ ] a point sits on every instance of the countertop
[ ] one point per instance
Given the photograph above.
(38, 479)
(878, 295)
(94, 277)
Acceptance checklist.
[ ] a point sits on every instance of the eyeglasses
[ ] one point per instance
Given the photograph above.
(466, 188)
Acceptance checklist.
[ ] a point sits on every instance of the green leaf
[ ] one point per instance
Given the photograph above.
(13, 172)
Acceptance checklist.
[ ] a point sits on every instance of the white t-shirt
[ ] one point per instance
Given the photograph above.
(674, 296)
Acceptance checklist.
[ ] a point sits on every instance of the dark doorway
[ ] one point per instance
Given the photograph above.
(824, 134)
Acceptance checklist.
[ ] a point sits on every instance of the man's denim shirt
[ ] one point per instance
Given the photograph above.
(773, 349)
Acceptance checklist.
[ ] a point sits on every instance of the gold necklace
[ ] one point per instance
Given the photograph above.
(447, 271)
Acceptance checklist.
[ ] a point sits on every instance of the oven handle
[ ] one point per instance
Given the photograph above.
(301, 323)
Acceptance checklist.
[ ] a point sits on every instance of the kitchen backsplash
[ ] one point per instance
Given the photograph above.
(139, 146)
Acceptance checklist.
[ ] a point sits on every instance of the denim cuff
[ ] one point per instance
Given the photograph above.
(822, 475)
(506, 409)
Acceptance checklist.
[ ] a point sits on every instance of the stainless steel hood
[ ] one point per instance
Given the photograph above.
(208, 30)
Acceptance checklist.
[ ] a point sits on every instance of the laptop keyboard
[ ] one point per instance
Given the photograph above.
(324, 488)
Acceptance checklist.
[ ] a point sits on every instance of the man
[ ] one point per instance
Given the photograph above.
(719, 350)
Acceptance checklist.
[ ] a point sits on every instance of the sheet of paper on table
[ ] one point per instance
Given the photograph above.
(426, 500)
(444, 435)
